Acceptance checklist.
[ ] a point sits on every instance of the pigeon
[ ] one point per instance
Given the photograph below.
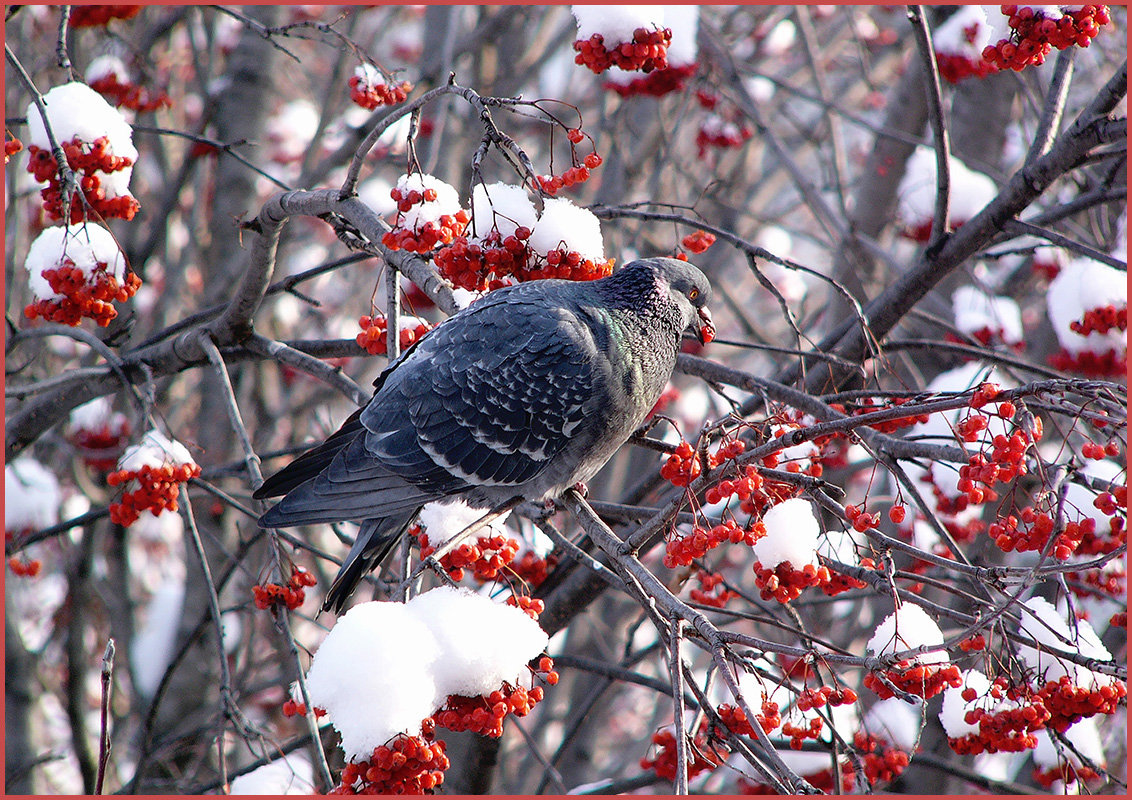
(523, 394)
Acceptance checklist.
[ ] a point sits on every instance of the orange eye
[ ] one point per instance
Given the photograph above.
(692, 295)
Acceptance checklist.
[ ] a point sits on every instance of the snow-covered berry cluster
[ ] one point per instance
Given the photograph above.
(971, 191)
(1034, 33)
(428, 214)
(987, 318)
(109, 76)
(959, 43)
(151, 473)
(98, 433)
(77, 272)
(98, 145)
(32, 497)
(1086, 303)
(95, 16)
(291, 595)
(484, 714)
(486, 556)
(629, 37)
(406, 765)
(373, 335)
(370, 89)
(924, 675)
(510, 240)
(786, 559)
(717, 128)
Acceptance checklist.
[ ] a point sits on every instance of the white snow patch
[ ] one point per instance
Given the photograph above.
(908, 627)
(31, 496)
(291, 774)
(74, 110)
(564, 224)
(442, 521)
(970, 190)
(447, 201)
(616, 23)
(896, 721)
(502, 206)
(1081, 285)
(791, 535)
(154, 450)
(975, 310)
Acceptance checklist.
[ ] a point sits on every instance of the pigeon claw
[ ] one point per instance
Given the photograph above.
(582, 489)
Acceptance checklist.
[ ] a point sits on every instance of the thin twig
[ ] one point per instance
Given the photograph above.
(941, 222)
(104, 715)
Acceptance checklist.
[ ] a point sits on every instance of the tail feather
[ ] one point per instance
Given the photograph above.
(375, 540)
(312, 462)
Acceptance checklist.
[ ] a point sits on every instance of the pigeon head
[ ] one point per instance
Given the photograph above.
(688, 290)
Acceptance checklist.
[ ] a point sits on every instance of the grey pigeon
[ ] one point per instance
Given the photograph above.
(525, 393)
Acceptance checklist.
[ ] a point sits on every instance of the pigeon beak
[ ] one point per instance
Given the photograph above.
(706, 326)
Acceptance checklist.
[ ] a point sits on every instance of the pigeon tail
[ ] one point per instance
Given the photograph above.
(375, 540)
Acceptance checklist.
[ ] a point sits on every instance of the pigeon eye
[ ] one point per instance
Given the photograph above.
(692, 295)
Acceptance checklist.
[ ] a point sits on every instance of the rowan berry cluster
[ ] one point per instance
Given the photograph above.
(868, 405)
(1069, 703)
(24, 569)
(697, 241)
(839, 583)
(154, 488)
(703, 753)
(291, 595)
(424, 234)
(735, 719)
(83, 295)
(1008, 535)
(293, 708)
(573, 176)
(657, 83)
(472, 266)
(860, 519)
(1093, 364)
(1101, 320)
(126, 93)
(823, 696)
(406, 765)
(1007, 727)
(94, 16)
(533, 569)
(90, 161)
(647, 51)
(1035, 34)
(683, 550)
(785, 582)
(370, 91)
(1065, 773)
(530, 606)
(922, 680)
(882, 760)
(485, 714)
(568, 265)
(101, 446)
(682, 467)
(711, 592)
(11, 147)
(486, 558)
(977, 642)
(374, 338)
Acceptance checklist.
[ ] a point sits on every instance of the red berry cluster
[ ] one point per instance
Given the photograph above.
(93, 16)
(291, 595)
(977, 642)
(682, 467)
(11, 147)
(882, 760)
(156, 490)
(683, 550)
(712, 592)
(532, 569)
(1069, 703)
(24, 569)
(83, 295)
(1098, 365)
(373, 335)
(487, 557)
(823, 696)
(785, 583)
(657, 83)
(868, 405)
(1066, 773)
(128, 94)
(576, 174)
(87, 160)
(922, 680)
(568, 265)
(1006, 727)
(1101, 320)
(954, 67)
(293, 708)
(485, 715)
(704, 754)
(860, 519)
(698, 241)
(729, 134)
(427, 236)
(839, 583)
(472, 266)
(532, 607)
(1035, 34)
(100, 447)
(370, 96)
(647, 52)
(735, 719)
(407, 765)
(1009, 536)
(800, 733)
